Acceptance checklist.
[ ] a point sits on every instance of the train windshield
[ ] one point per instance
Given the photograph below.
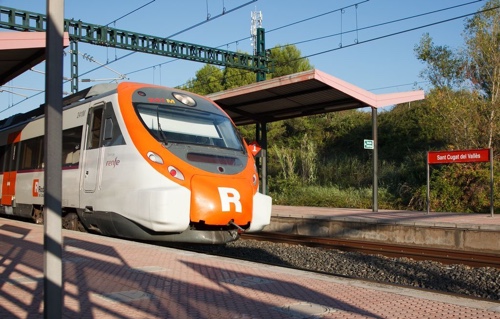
(188, 126)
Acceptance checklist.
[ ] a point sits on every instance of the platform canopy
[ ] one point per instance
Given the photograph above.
(301, 94)
(20, 51)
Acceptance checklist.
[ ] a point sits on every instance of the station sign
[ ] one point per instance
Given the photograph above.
(368, 144)
(461, 156)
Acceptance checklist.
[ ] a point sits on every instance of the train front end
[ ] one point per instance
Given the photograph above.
(211, 182)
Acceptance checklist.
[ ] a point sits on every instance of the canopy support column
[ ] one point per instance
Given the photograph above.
(261, 160)
(375, 159)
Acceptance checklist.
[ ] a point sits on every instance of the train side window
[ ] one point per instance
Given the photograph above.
(108, 129)
(13, 157)
(71, 145)
(8, 157)
(95, 128)
(26, 155)
(8, 151)
(31, 152)
(3, 155)
(112, 132)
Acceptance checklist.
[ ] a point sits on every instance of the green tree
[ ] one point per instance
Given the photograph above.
(211, 79)
(411, 128)
(208, 80)
(468, 79)
(482, 36)
(444, 67)
(288, 60)
(232, 78)
(465, 106)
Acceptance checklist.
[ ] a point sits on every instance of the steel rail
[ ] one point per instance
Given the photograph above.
(445, 256)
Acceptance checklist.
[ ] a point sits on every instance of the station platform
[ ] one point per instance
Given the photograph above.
(460, 231)
(112, 278)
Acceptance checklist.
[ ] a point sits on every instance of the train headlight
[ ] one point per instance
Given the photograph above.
(184, 99)
(174, 172)
(254, 179)
(153, 157)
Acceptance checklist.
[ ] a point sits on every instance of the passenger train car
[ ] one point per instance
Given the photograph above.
(139, 161)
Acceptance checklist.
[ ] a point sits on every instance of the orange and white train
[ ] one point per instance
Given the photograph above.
(139, 161)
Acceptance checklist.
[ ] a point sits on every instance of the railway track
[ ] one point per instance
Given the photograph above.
(445, 256)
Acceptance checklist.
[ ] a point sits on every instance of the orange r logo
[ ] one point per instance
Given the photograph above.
(230, 196)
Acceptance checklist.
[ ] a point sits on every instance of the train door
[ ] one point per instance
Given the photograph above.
(93, 152)
(10, 173)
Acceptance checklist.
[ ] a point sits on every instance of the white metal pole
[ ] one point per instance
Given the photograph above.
(375, 159)
(428, 186)
(53, 286)
(492, 193)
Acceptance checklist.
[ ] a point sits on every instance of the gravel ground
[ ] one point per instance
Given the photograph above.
(460, 279)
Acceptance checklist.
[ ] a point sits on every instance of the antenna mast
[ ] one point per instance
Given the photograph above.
(256, 23)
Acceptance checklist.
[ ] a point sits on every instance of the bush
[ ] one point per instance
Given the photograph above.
(333, 196)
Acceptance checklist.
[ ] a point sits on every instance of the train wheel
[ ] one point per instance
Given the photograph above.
(38, 215)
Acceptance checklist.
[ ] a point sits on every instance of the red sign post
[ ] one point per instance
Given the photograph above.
(460, 156)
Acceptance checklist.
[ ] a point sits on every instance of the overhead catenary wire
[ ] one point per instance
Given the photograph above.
(21, 88)
(382, 37)
(357, 29)
(131, 12)
(268, 31)
(12, 92)
(336, 34)
(315, 17)
(182, 31)
(91, 59)
(401, 32)
(127, 14)
(381, 24)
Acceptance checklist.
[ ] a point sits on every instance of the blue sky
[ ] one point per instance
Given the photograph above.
(381, 66)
